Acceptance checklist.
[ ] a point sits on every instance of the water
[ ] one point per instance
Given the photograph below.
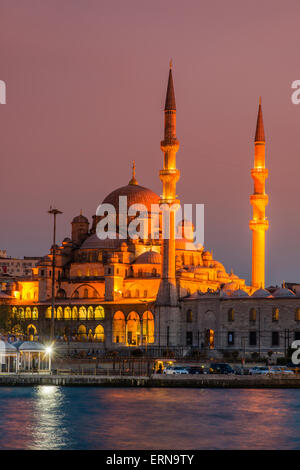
(53, 417)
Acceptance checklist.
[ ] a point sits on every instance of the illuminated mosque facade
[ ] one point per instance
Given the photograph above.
(154, 292)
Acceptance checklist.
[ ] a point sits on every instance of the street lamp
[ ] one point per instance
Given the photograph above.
(53, 212)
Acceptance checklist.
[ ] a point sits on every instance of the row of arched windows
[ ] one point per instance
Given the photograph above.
(136, 293)
(133, 330)
(253, 315)
(26, 313)
(84, 334)
(75, 313)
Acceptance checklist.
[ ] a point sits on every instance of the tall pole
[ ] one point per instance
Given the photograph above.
(54, 212)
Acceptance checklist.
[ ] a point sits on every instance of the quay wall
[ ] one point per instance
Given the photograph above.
(215, 381)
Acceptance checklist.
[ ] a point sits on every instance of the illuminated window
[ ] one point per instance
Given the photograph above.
(137, 293)
(85, 293)
(148, 327)
(82, 333)
(59, 314)
(35, 313)
(82, 313)
(252, 315)
(90, 313)
(99, 334)
(31, 333)
(230, 338)
(119, 328)
(133, 329)
(67, 313)
(99, 313)
(275, 314)
(21, 313)
(75, 313)
(297, 314)
(28, 313)
(231, 315)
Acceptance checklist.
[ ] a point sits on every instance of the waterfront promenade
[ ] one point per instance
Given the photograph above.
(153, 381)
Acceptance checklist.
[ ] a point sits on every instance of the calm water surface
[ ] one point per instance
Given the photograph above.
(53, 417)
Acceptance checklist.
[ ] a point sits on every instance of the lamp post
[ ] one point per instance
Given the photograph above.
(53, 212)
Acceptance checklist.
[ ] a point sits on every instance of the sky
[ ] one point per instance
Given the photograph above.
(86, 83)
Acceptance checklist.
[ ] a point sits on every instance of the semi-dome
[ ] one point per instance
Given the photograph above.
(260, 293)
(283, 292)
(94, 242)
(135, 195)
(149, 257)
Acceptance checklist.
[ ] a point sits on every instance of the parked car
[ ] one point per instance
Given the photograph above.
(195, 370)
(281, 370)
(220, 368)
(261, 370)
(175, 370)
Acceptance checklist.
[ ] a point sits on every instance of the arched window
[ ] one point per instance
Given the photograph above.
(99, 334)
(140, 273)
(86, 293)
(67, 313)
(31, 333)
(90, 313)
(297, 314)
(189, 316)
(119, 328)
(82, 313)
(154, 272)
(145, 294)
(35, 313)
(275, 314)
(99, 313)
(59, 313)
(49, 312)
(231, 315)
(148, 327)
(75, 313)
(90, 336)
(128, 294)
(28, 313)
(133, 329)
(82, 333)
(252, 315)
(21, 313)
(137, 293)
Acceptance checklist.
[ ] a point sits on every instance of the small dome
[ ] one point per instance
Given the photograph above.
(80, 219)
(260, 293)
(239, 293)
(149, 257)
(218, 265)
(283, 292)
(67, 240)
(207, 255)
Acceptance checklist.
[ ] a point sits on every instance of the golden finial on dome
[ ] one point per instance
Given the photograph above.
(133, 179)
(171, 64)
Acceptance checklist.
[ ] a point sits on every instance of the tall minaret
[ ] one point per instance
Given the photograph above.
(259, 200)
(169, 176)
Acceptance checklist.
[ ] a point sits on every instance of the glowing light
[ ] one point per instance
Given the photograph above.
(49, 350)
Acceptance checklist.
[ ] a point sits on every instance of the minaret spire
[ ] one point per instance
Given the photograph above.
(259, 200)
(133, 179)
(169, 175)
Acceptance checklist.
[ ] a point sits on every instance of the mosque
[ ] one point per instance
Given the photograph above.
(158, 293)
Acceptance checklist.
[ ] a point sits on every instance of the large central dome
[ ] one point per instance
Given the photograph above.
(135, 195)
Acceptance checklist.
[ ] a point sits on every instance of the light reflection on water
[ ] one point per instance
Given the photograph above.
(53, 417)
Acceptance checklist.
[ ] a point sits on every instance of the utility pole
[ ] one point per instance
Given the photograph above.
(54, 212)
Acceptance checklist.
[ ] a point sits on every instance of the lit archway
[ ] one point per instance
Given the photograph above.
(35, 313)
(28, 313)
(31, 333)
(119, 327)
(90, 313)
(133, 329)
(148, 327)
(82, 333)
(99, 334)
(75, 313)
(59, 313)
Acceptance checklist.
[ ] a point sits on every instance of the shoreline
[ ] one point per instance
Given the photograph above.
(213, 381)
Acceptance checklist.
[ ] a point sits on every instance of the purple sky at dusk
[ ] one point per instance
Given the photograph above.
(86, 82)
